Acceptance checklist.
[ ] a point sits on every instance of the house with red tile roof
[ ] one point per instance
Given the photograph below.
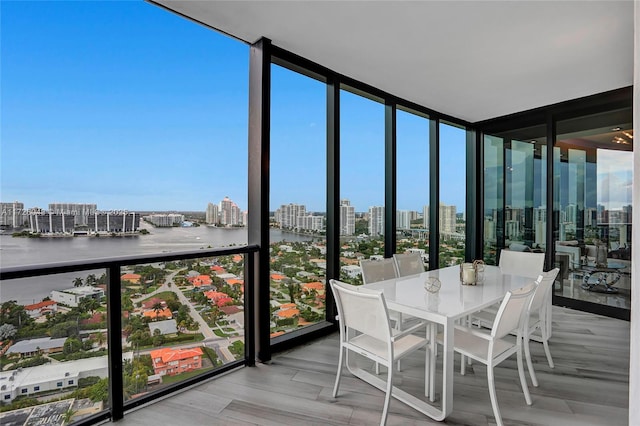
(219, 298)
(277, 277)
(316, 286)
(41, 308)
(218, 269)
(169, 362)
(132, 278)
(165, 313)
(201, 280)
(148, 304)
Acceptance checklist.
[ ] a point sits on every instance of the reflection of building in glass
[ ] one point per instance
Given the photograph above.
(489, 229)
(211, 214)
(12, 214)
(79, 211)
(347, 218)
(425, 217)
(376, 221)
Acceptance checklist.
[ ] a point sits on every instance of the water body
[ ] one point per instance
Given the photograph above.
(28, 251)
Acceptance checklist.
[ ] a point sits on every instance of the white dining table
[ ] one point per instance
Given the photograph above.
(452, 302)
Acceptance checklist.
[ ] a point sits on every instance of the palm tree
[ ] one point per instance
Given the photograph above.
(68, 415)
(77, 282)
(157, 308)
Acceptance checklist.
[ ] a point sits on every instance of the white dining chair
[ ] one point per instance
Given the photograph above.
(492, 348)
(536, 319)
(365, 329)
(374, 270)
(525, 264)
(408, 264)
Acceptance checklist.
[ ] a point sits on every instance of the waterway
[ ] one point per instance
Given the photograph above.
(28, 251)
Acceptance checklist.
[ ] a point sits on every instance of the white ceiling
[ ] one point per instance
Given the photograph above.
(474, 60)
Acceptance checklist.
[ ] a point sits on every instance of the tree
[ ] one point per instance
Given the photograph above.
(7, 331)
(157, 308)
(12, 313)
(77, 282)
(100, 391)
(68, 415)
(71, 345)
(91, 279)
(89, 304)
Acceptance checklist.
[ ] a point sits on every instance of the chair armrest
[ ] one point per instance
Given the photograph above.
(473, 332)
(410, 330)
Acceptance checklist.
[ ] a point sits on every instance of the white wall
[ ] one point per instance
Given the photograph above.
(634, 367)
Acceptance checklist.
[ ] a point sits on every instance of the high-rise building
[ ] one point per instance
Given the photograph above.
(447, 219)
(80, 211)
(404, 218)
(287, 215)
(211, 214)
(425, 217)
(347, 218)
(165, 220)
(376, 221)
(12, 214)
(230, 213)
(310, 223)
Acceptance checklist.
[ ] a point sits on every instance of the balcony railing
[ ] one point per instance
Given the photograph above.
(148, 286)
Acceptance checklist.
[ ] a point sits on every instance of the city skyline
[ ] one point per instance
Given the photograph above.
(153, 117)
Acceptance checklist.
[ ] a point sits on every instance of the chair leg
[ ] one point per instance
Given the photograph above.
(492, 395)
(337, 384)
(387, 398)
(523, 379)
(527, 352)
(545, 343)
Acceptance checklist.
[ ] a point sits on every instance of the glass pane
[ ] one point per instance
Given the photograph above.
(361, 183)
(180, 319)
(593, 205)
(298, 198)
(453, 148)
(412, 184)
(54, 343)
(493, 197)
(127, 139)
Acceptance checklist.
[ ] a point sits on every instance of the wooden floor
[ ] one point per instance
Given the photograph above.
(588, 386)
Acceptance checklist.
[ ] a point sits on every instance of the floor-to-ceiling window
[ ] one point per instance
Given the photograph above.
(593, 178)
(493, 213)
(412, 183)
(452, 161)
(297, 200)
(362, 186)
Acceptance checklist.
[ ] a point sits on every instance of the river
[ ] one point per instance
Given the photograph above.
(27, 251)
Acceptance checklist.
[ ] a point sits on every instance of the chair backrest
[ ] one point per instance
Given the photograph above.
(408, 264)
(512, 310)
(545, 281)
(363, 310)
(377, 270)
(521, 263)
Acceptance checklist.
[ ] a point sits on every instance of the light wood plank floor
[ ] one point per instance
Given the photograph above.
(588, 386)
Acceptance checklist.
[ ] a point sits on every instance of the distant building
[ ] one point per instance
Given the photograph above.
(169, 362)
(79, 211)
(212, 214)
(447, 219)
(165, 220)
(51, 377)
(352, 271)
(404, 218)
(347, 218)
(32, 347)
(51, 223)
(42, 308)
(117, 222)
(132, 278)
(376, 221)
(165, 327)
(13, 214)
(230, 214)
(310, 223)
(73, 296)
(287, 215)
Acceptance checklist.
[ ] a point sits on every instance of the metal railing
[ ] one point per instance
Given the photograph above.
(113, 267)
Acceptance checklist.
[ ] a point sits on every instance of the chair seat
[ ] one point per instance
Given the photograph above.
(401, 347)
(476, 347)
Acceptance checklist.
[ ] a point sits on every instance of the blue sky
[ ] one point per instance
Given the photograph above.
(125, 105)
